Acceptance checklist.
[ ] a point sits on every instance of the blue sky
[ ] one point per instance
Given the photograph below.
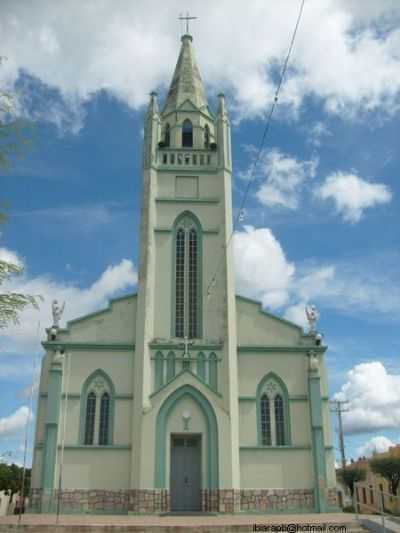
(323, 210)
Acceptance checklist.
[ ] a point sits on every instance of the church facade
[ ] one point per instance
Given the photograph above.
(184, 396)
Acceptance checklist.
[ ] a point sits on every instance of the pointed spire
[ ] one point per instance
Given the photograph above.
(186, 83)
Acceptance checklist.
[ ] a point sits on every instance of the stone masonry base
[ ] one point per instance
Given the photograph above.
(154, 501)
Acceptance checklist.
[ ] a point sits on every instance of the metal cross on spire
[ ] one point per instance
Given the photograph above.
(187, 18)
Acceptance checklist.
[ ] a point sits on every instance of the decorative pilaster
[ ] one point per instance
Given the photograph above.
(52, 419)
(317, 432)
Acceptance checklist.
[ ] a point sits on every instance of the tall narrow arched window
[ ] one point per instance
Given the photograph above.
(97, 410)
(167, 135)
(180, 283)
(90, 417)
(273, 412)
(206, 136)
(170, 366)
(187, 133)
(187, 311)
(201, 366)
(279, 420)
(213, 371)
(192, 304)
(265, 421)
(104, 418)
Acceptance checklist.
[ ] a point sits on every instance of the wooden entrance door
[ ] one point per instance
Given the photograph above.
(185, 473)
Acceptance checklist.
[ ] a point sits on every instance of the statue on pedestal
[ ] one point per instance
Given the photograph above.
(312, 317)
(57, 311)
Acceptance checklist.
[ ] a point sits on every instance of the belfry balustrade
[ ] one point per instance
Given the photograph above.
(181, 158)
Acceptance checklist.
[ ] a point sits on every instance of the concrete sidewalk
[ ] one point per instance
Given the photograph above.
(45, 523)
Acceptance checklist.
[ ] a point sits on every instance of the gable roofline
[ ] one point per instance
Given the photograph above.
(271, 315)
(134, 295)
(204, 110)
(108, 309)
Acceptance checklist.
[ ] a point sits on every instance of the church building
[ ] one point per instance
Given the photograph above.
(184, 396)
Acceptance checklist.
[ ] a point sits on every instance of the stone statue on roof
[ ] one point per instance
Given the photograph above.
(312, 317)
(57, 311)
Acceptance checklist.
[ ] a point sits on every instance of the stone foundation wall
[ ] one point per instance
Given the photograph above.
(276, 499)
(153, 501)
(150, 501)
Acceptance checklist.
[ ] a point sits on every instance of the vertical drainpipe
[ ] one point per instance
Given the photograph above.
(51, 422)
(317, 432)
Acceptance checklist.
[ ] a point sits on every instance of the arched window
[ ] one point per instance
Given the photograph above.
(159, 371)
(90, 417)
(265, 421)
(170, 366)
(273, 412)
(206, 136)
(213, 371)
(187, 133)
(187, 310)
(104, 418)
(192, 304)
(279, 420)
(97, 410)
(180, 283)
(201, 366)
(167, 135)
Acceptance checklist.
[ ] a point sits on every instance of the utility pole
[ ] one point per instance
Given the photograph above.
(339, 407)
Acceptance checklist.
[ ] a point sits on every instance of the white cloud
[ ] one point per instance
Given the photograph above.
(297, 314)
(354, 286)
(377, 444)
(8, 256)
(285, 177)
(79, 301)
(130, 49)
(373, 397)
(13, 424)
(352, 195)
(262, 270)
(315, 282)
(317, 133)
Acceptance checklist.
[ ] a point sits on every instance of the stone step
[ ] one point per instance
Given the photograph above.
(342, 523)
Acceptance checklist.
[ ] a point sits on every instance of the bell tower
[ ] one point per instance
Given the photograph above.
(186, 291)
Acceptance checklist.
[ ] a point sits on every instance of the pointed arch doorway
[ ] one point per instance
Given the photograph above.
(186, 454)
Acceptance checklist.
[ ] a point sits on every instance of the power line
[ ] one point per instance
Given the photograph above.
(27, 433)
(261, 145)
(339, 407)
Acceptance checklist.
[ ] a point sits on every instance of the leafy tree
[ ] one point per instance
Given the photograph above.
(350, 476)
(15, 133)
(11, 303)
(13, 138)
(11, 477)
(389, 468)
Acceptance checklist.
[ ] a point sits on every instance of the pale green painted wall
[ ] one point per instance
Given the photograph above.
(265, 468)
(291, 368)
(100, 469)
(116, 364)
(251, 327)
(113, 325)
